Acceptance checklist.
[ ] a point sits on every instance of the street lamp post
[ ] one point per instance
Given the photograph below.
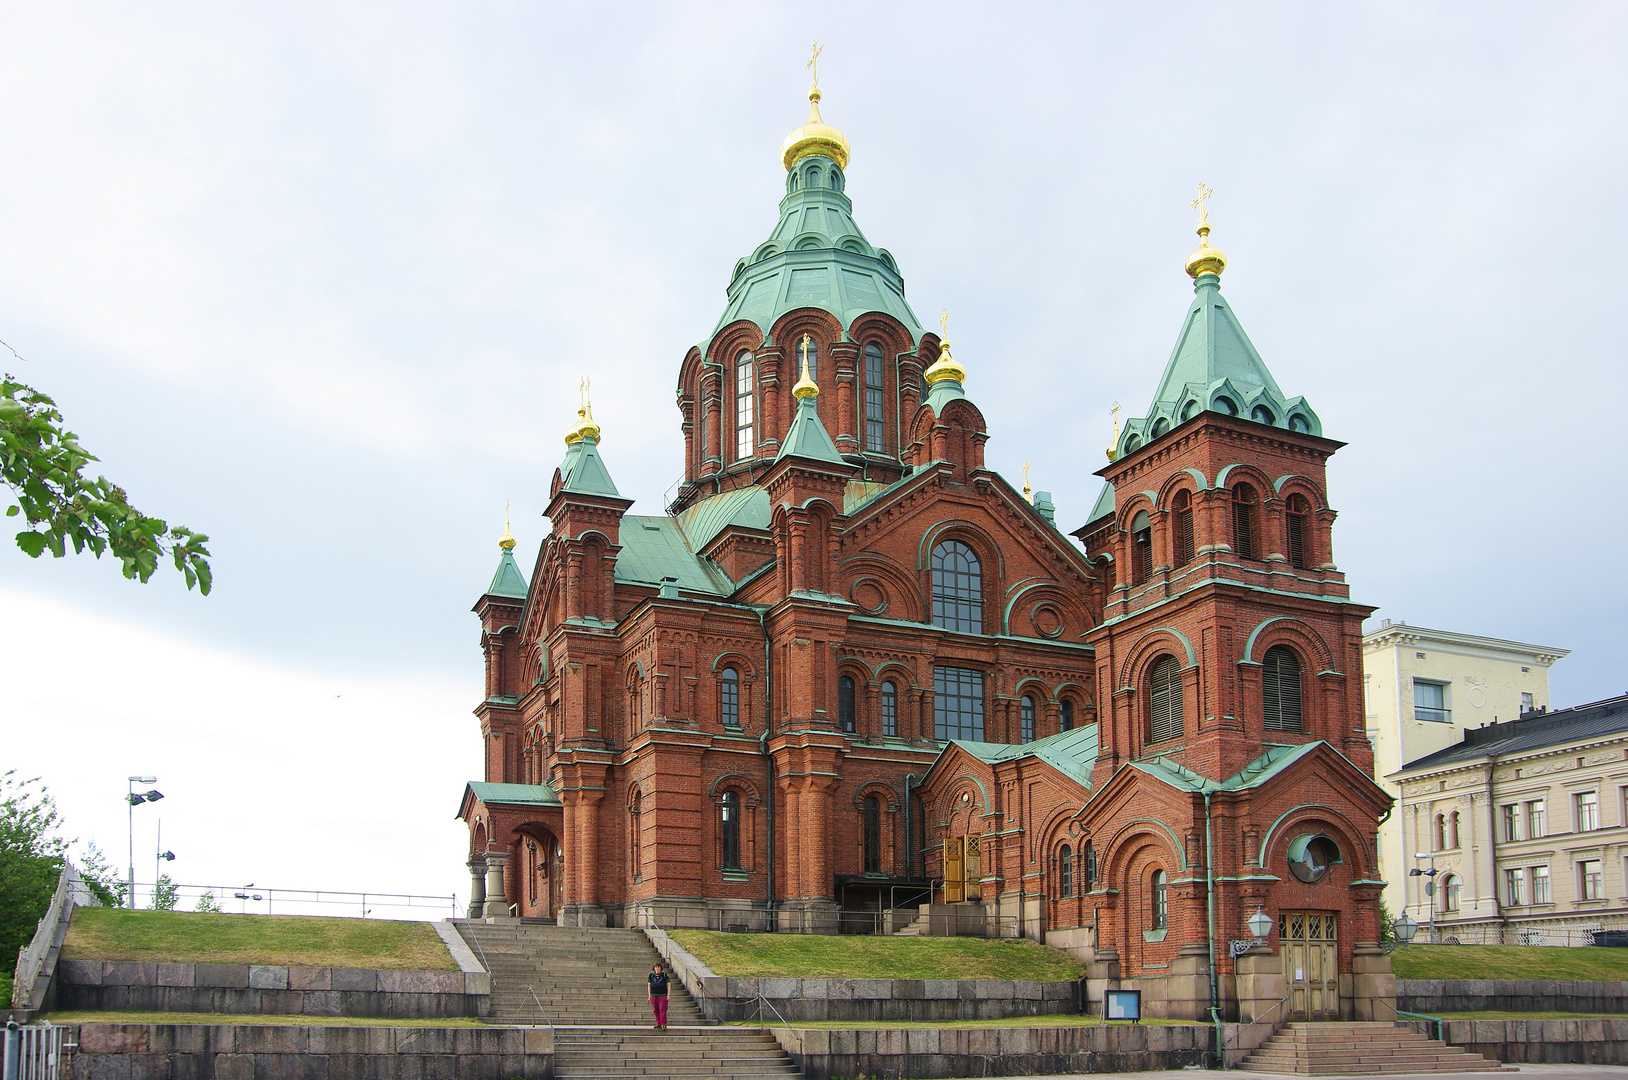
(1430, 887)
(159, 860)
(134, 800)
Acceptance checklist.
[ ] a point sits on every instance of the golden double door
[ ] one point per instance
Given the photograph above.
(1310, 945)
(963, 868)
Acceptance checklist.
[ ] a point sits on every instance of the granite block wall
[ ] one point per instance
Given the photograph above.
(1511, 995)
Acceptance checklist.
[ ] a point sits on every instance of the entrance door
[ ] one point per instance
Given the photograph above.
(1310, 945)
(955, 888)
(974, 869)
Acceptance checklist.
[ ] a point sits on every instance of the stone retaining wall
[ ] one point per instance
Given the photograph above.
(1582, 1041)
(879, 1000)
(1510, 995)
(943, 1052)
(241, 1052)
(122, 986)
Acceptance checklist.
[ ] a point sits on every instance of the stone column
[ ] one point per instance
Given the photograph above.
(497, 904)
(477, 885)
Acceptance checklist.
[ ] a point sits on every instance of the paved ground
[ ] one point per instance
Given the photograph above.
(1532, 1072)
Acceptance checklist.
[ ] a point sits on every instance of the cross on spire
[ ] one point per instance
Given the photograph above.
(1198, 204)
(944, 323)
(813, 66)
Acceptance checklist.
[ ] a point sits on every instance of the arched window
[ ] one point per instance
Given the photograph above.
(729, 697)
(845, 703)
(875, 428)
(1280, 690)
(872, 811)
(1065, 872)
(745, 405)
(1026, 707)
(1244, 532)
(1181, 527)
(1441, 832)
(958, 588)
(729, 829)
(1297, 523)
(1164, 698)
(1090, 866)
(1141, 547)
(890, 709)
(635, 847)
(1065, 715)
(1450, 887)
(1452, 831)
(1261, 415)
(1161, 900)
(1226, 406)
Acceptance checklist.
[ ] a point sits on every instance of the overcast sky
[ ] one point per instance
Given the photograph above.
(320, 280)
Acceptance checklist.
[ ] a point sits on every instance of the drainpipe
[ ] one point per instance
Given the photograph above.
(1492, 848)
(909, 848)
(1209, 911)
(768, 761)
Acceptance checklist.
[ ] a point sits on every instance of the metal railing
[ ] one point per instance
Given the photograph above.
(295, 901)
(1574, 933)
(36, 1052)
(879, 922)
(1403, 1016)
(27, 989)
(538, 1010)
(1242, 1026)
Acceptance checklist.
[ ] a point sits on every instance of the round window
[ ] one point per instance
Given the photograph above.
(1311, 858)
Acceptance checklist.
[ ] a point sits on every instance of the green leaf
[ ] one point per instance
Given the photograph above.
(32, 543)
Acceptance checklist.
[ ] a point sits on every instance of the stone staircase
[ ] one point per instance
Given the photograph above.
(590, 987)
(1360, 1049)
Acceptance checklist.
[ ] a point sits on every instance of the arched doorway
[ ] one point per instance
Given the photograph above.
(543, 874)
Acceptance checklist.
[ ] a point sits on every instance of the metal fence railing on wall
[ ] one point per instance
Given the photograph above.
(35, 1052)
(845, 920)
(256, 900)
(28, 988)
(1575, 933)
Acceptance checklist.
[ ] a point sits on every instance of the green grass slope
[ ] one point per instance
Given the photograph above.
(283, 940)
(846, 956)
(1509, 962)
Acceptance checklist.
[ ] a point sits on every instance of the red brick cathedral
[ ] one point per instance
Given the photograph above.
(854, 677)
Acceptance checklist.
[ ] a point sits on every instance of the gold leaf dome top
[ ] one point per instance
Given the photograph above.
(945, 367)
(815, 138)
(585, 427)
(1206, 258)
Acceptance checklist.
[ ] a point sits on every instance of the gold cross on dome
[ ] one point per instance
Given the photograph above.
(582, 392)
(1198, 204)
(944, 323)
(813, 66)
(1026, 488)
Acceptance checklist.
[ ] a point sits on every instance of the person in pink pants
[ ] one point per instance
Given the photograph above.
(658, 994)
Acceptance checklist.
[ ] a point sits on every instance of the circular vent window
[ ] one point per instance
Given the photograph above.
(1311, 858)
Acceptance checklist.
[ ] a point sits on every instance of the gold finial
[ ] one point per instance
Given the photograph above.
(1205, 259)
(946, 366)
(815, 138)
(806, 386)
(507, 540)
(1028, 492)
(585, 428)
(944, 324)
(1113, 449)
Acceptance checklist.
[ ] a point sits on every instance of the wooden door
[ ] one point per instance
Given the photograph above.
(974, 864)
(955, 887)
(1309, 941)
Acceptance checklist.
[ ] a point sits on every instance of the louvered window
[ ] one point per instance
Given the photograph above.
(745, 404)
(1165, 699)
(845, 703)
(1182, 528)
(1065, 872)
(958, 588)
(875, 428)
(1141, 547)
(1298, 525)
(1243, 522)
(1280, 690)
(1027, 709)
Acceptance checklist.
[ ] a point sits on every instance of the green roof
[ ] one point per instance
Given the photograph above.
(807, 437)
(1256, 773)
(514, 794)
(1072, 753)
(583, 470)
(654, 548)
(747, 507)
(1104, 504)
(1215, 368)
(816, 257)
(508, 581)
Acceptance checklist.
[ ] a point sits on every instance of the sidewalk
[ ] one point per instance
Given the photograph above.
(1533, 1072)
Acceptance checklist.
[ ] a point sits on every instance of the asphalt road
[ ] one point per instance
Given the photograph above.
(1534, 1072)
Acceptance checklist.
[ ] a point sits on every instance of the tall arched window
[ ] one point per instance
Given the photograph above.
(729, 829)
(875, 427)
(1244, 533)
(635, 845)
(1026, 707)
(872, 812)
(958, 588)
(1181, 527)
(890, 709)
(1065, 715)
(1280, 690)
(729, 697)
(1161, 900)
(1297, 523)
(1452, 831)
(1141, 547)
(1065, 872)
(1441, 832)
(1164, 699)
(845, 703)
(1090, 866)
(1450, 887)
(745, 405)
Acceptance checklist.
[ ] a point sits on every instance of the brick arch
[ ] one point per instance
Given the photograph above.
(1293, 484)
(1035, 687)
(897, 586)
(949, 803)
(1192, 479)
(1240, 472)
(1140, 500)
(896, 672)
(736, 659)
(882, 790)
(734, 782)
(1148, 648)
(1034, 594)
(1298, 635)
(973, 535)
(1131, 836)
(1353, 850)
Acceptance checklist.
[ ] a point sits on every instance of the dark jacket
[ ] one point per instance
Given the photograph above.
(658, 983)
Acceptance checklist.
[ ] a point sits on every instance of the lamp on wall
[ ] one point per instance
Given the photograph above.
(1260, 926)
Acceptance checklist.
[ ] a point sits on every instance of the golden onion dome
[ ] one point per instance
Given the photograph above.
(1205, 259)
(945, 367)
(815, 138)
(806, 386)
(584, 428)
(507, 540)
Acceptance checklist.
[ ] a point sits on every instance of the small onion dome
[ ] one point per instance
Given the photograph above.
(507, 540)
(585, 427)
(945, 367)
(1205, 259)
(806, 386)
(815, 138)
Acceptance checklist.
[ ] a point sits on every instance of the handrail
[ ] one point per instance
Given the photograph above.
(539, 1010)
(1401, 1014)
(765, 1001)
(1237, 1036)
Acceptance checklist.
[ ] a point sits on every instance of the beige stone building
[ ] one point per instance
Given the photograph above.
(1526, 824)
(1423, 690)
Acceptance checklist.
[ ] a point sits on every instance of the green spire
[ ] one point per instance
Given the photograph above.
(1215, 368)
(508, 581)
(584, 471)
(807, 437)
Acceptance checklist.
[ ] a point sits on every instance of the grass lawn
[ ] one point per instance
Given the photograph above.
(257, 1020)
(1049, 1020)
(183, 937)
(853, 956)
(1509, 962)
